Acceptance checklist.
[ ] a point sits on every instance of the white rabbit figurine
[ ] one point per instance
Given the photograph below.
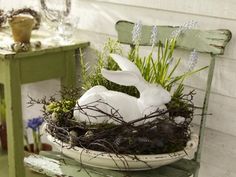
(130, 108)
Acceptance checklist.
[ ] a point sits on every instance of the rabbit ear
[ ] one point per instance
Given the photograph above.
(125, 64)
(126, 78)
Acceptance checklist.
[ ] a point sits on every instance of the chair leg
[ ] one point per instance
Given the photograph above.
(1, 92)
(196, 173)
(204, 111)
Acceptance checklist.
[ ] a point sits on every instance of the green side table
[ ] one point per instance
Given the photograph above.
(21, 68)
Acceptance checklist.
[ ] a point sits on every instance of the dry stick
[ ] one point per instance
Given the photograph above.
(147, 117)
(113, 116)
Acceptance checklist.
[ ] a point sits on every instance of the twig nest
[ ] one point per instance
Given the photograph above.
(28, 11)
(21, 26)
(2, 17)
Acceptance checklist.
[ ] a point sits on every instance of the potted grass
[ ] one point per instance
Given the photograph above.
(3, 126)
(133, 115)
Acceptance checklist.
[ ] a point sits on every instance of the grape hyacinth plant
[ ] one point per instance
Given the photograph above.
(154, 36)
(183, 28)
(193, 59)
(136, 33)
(34, 124)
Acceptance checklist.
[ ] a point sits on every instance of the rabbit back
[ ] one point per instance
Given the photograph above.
(108, 101)
(124, 103)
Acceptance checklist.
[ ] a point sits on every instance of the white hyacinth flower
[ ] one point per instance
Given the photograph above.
(136, 33)
(153, 39)
(183, 28)
(193, 59)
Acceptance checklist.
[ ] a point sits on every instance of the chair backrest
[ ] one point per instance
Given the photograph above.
(212, 42)
(205, 41)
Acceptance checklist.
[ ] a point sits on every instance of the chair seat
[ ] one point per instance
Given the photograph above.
(181, 168)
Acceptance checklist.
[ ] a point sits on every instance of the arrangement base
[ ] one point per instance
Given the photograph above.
(44, 162)
(118, 162)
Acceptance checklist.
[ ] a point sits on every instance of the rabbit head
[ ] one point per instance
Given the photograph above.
(150, 94)
(154, 95)
(129, 76)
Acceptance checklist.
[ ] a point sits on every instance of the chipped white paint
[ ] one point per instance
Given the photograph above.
(47, 166)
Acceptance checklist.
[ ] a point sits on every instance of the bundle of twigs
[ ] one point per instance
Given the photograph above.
(27, 11)
(2, 17)
(156, 133)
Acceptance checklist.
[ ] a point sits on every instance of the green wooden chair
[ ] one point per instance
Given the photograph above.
(212, 42)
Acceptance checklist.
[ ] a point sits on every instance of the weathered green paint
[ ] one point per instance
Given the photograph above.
(5, 54)
(20, 68)
(206, 41)
(37, 68)
(2, 72)
(1, 93)
(204, 110)
(12, 93)
(186, 165)
(69, 69)
(70, 167)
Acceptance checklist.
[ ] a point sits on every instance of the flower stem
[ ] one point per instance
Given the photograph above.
(39, 140)
(27, 141)
(35, 141)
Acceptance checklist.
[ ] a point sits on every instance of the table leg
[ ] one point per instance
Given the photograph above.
(69, 80)
(1, 93)
(14, 119)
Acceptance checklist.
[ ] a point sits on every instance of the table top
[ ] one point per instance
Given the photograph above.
(46, 38)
